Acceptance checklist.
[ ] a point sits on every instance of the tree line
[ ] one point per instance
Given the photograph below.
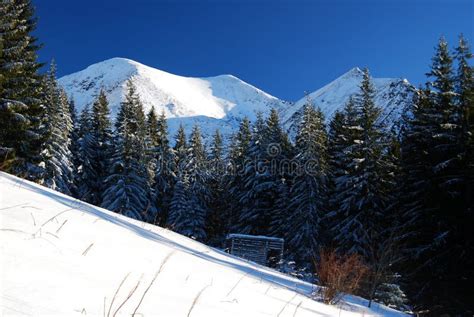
(401, 199)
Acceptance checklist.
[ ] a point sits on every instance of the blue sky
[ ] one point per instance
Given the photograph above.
(283, 47)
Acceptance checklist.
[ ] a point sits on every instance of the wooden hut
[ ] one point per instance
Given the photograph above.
(263, 250)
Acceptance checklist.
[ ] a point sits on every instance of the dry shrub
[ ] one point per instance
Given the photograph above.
(339, 275)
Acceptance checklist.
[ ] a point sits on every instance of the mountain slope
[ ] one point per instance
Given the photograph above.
(62, 257)
(214, 102)
(393, 95)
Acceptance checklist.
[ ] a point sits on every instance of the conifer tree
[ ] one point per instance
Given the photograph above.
(86, 173)
(309, 191)
(233, 183)
(216, 219)
(127, 189)
(95, 152)
(464, 86)
(362, 194)
(250, 215)
(57, 153)
(164, 171)
(180, 150)
(263, 172)
(180, 207)
(21, 109)
(440, 258)
(75, 147)
(198, 177)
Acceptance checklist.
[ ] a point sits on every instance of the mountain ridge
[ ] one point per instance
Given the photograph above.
(219, 102)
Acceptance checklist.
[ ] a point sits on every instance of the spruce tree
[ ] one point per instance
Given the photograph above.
(86, 173)
(216, 218)
(309, 191)
(75, 147)
(233, 179)
(197, 174)
(251, 214)
(95, 152)
(180, 150)
(57, 153)
(180, 208)
(21, 96)
(263, 172)
(165, 168)
(362, 191)
(127, 189)
(102, 142)
(440, 255)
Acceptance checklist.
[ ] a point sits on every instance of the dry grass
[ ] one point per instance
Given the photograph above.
(339, 274)
(196, 299)
(130, 294)
(115, 295)
(153, 281)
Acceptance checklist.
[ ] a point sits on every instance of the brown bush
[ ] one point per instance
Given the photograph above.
(339, 275)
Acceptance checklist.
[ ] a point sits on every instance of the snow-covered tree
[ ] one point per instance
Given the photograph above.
(180, 208)
(95, 150)
(21, 93)
(127, 189)
(197, 173)
(164, 178)
(180, 150)
(216, 217)
(232, 182)
(309, 191)
(436, 187)
(75, 146)
(262, 174)
(57, 153)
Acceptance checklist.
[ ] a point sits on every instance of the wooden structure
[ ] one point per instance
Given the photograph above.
(263, 250)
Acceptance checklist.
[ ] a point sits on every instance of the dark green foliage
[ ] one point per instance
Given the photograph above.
(21, 96)
(56, 152)
(304, 232)
(96, 148)
(438, 188)
(164, 170)
(127, 189)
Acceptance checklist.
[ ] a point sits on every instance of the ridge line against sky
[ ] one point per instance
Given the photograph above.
(282, 47)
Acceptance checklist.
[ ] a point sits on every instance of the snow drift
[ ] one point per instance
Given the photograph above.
(63, 257)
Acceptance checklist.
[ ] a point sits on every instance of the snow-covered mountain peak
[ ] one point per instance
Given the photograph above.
(219, 102)
(212, 102)
(391, 94)
(355, 72)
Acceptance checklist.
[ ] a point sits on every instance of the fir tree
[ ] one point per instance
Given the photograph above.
(232, 182)
(362, 194)
(21, 110)
(75, 146)
(198, 177)
(216, 218)
(164, 171)
(96, 152)
(86, 174)
(309, 192)
(180, 207)
(180, 150)
(57, 153)
(127, 189)
(440, 255)
(264, 170)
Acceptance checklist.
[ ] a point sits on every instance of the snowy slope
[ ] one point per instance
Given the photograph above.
(62, 257)
(391, 94)
(213, 102)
